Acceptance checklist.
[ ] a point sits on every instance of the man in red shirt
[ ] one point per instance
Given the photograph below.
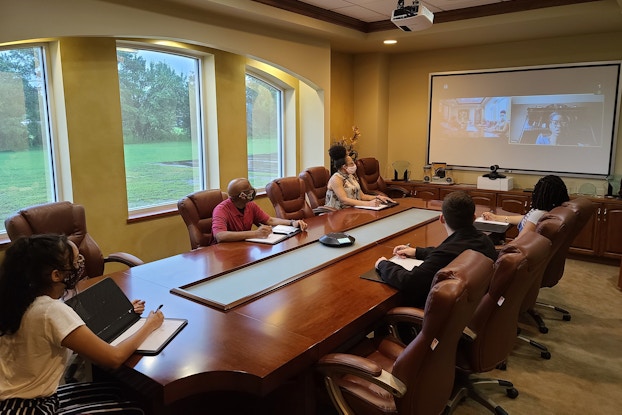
(233, 219)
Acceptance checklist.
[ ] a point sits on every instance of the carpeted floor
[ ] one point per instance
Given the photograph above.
(584, 374)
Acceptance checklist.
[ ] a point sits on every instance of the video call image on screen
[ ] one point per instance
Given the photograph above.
(571, 120)
(557, 119)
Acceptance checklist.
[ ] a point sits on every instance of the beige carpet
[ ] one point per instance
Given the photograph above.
(584, 374)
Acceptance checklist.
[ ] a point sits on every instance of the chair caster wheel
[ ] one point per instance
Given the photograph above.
(502, 366)
(566, 317)
(543, 330)
(545, 355)
(511, 393)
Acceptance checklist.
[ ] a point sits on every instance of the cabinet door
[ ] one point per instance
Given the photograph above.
(516, 203)
(586, 241)
(484, 198)
(444, 191)
(611, 230)
(426, 192)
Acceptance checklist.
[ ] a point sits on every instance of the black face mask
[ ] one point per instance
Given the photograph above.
(75, 274)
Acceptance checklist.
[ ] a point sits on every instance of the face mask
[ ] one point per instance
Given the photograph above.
(351, 169)
(248, 195)
(75, 275)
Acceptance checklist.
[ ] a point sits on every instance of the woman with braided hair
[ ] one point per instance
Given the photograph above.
(550, 191)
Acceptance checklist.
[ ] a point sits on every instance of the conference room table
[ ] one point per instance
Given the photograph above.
(261, 344)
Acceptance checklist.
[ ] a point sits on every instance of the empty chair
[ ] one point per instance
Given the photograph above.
(495, 321)
(384, 376)
(368, 172)
(287, 195)
(316, 182)
(196, 211)
(69, 219)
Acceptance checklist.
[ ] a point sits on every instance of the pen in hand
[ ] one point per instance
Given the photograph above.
(159, 307)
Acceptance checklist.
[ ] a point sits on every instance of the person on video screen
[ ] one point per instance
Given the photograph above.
(558, 125)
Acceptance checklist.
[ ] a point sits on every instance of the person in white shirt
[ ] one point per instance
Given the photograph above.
(38, 331)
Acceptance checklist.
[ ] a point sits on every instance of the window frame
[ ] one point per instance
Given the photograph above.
(207, 141)
(286, 117)
(53, 110)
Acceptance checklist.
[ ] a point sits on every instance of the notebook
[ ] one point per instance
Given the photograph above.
(278, 234)
(379, 207)
(490, 225)
(110, 315)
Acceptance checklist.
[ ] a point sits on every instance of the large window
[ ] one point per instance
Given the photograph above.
(264, 131)
(26, 151)
(162, 134)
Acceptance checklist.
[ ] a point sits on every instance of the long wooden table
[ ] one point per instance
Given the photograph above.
(260, 345)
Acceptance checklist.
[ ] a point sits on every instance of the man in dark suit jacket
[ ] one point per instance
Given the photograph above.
(458, 214)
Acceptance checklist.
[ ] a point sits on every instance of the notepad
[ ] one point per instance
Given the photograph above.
(284, 229)
(107, 311)
(273, 238)
(408, 263)
(379, 207)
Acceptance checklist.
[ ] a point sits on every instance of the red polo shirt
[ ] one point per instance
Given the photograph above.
(227, 217)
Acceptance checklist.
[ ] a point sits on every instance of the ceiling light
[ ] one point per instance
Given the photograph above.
(390, 42)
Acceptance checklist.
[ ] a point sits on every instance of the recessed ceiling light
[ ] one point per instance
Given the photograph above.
(390, 42)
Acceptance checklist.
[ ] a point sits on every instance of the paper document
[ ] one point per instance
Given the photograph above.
(157, 339)
(492, 222)
(379, 207)
(273, 238)
(408, 263)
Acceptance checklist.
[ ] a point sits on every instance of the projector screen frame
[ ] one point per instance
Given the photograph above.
(570, 97)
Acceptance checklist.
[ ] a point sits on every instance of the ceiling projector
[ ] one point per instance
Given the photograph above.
(412, 18)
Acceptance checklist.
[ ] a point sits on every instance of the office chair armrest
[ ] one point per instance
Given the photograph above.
(124, 258)
(409, 319)
(409, 315)
(341, 364)
(398, 190)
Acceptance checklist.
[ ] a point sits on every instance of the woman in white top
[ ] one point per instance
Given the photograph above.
(343, 189)
(550, 191)
(38, 331)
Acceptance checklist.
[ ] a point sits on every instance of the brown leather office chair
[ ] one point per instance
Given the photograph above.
(65, 218)
(583, 209)
(316, 183)
(287, 195)
(196, 211)
(495, 321)
(368, 172)
(559, 225)
(384, 376)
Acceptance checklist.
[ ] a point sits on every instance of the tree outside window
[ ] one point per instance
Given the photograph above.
(162, 134)
(27, 175)
(264, 131)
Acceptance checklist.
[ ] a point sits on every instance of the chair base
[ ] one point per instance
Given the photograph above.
(544, 351)
(468, 387)
(537, 318)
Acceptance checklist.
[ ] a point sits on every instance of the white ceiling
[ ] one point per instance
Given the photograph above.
(378, 10)
(457, 23)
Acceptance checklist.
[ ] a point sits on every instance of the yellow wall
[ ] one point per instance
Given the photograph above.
(385, 95)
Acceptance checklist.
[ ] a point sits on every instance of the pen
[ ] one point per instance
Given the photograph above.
(159, 307)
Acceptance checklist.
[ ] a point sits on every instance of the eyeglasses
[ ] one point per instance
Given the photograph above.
(248, 194)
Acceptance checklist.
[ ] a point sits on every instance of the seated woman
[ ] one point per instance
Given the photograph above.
(550, 191)
(558, 130)
(38, 333)
(343, 189)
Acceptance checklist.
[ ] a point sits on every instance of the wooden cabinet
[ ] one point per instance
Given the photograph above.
(519, 203)
(426, 192)
(601, 237)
